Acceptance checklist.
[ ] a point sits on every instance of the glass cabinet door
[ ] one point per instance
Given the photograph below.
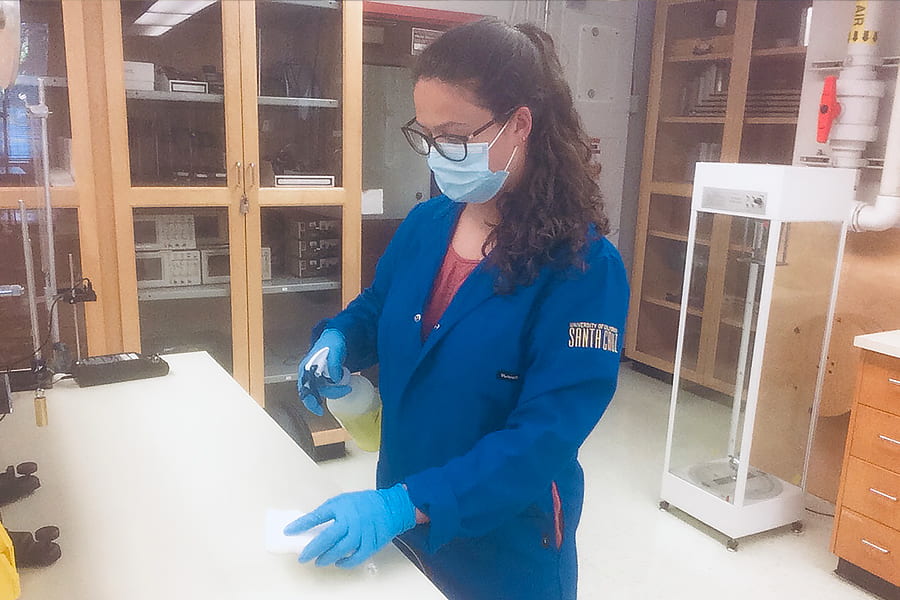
(301, 285)
(299, 87)
(302, 210)
(294, 94)
(175, 92)
(42, 61)
(183, 264)
(176, 128)
(706, 433)
(24, 338)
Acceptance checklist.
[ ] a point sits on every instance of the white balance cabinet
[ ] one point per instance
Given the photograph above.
(738, 462)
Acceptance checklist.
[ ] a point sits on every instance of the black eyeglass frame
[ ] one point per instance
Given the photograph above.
(433, 141)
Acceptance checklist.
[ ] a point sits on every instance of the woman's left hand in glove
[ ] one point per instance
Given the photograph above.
(363, 523)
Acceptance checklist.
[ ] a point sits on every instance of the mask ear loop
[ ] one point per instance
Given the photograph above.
(497, 137)
(499, 133)
(511, 157)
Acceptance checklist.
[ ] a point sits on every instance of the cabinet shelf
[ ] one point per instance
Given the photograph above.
(298, 102)
(687, 120)
(32, 80)
(672, 188)
(789, 51)
(771, 120)
(278, 285)
(288, 285)
(714, 56)
(161, 96)
(197, 97)
(675, 236)
(676, 306)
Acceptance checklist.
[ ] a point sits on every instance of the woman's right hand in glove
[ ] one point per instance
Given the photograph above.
(322, 373)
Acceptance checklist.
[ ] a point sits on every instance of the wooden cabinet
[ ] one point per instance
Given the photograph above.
(867, 525)
(235, 135)
(206, 174)
(725, 86)
(242, 115)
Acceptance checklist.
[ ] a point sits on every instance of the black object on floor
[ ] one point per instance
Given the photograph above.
(37, 550)
(18, 482)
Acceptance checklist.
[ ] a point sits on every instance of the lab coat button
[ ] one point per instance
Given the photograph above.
(437, 326)
(417, 318)
(545, 542)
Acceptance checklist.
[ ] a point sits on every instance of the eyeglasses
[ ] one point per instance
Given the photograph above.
(451, 147)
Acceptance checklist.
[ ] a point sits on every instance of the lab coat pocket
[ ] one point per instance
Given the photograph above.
(542, 529)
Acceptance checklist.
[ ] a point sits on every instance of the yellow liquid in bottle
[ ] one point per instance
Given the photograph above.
(365, 429)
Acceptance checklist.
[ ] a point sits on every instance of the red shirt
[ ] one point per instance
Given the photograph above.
(453, 272)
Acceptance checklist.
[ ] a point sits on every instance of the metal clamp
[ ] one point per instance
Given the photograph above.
(891, 440)
(876, 546)
(883, 495)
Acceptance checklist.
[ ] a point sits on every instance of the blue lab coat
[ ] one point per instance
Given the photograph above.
(483, 420)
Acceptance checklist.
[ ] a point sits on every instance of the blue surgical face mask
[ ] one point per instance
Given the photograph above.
(471, 179)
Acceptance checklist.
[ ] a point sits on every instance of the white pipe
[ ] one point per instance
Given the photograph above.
(858, 89)
(885, 212)
(890, 178)
(881, 216)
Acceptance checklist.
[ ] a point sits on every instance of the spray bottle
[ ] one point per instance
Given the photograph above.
(359, 412)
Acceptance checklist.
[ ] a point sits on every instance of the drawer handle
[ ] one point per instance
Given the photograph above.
(894, 381)
(876, 546)
(891, 440)
(883, 495)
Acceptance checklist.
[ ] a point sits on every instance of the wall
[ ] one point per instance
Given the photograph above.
(869, 291)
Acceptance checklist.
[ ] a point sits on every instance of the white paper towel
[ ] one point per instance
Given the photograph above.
(279, 543)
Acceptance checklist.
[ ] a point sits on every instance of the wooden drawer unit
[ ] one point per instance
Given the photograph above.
(872, 491)
(867, 527)
(869, 544)
(876, 438)
(879, 385)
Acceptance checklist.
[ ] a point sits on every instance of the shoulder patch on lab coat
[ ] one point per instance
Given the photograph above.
(599, 336)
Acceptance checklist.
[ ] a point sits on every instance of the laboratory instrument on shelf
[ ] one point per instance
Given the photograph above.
(738, 461)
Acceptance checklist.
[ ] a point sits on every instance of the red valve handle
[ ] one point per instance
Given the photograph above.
(829, 109)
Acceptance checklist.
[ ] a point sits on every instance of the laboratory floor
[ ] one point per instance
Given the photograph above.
(630, 550)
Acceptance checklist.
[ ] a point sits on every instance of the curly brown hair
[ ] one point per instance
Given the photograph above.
(548, 217)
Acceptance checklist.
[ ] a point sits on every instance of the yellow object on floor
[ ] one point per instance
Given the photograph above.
(9, 578)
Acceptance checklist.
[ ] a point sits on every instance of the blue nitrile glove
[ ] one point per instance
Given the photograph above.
(364, 522)
(321, 372)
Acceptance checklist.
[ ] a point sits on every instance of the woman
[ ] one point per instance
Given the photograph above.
(496, 316)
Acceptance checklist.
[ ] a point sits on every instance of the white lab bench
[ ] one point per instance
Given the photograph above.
(160, 489)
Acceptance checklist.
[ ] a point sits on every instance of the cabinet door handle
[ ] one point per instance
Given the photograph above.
(876, 546)
(251, 168)
(894, 381)
(240, 174)
(890, 440)
(883, 495)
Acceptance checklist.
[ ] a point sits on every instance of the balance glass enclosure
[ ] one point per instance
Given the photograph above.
(736, 457)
